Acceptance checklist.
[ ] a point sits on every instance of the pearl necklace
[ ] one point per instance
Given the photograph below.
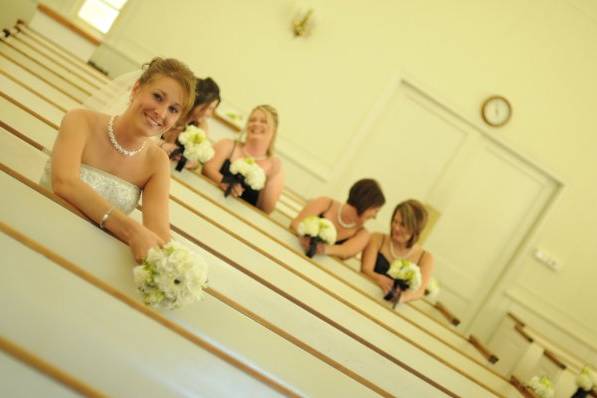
(262, 157)
(393, 253)
(115, 143)
(342, 223)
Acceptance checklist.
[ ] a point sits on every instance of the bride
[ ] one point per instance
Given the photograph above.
(101, 163)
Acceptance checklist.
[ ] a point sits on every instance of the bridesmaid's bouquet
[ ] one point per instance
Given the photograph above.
(407, 277)
(246, 172)
(542, 386)
(194, 145)
(319, 230)
(585, 381)
(171, 276)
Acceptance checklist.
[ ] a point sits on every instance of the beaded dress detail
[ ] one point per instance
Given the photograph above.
(120, 193)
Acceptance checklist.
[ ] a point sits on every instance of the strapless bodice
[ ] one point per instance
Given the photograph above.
(120, 193)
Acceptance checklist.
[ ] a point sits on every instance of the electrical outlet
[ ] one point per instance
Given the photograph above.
(546, 259)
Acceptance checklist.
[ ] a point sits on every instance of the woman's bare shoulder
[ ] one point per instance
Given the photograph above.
(322, 201)
(157, 158)
(224, 143)
(87, 115)
(83, 121)
(376, 237)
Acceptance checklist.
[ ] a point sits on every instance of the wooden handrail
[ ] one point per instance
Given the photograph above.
(524, 390)
(492, 358)
(26, 109)
(521, 331)
(31, 90)
(43, 79)
(447, 314)
(227, 122)
(51, 71)
(528, 333)
(78, 74)
(48, 369)
(515, 319)
(55, 49)
(553, 358)
(68, 24)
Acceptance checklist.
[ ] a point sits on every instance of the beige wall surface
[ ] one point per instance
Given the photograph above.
(540, 54)
(11, 10)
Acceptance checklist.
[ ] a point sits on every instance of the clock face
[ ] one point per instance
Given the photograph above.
(496, 111)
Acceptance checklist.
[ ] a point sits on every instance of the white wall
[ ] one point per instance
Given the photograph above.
(540, 54)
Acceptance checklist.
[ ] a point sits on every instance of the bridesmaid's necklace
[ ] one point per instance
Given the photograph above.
(115, 143)
(393, 253)
(342, 223)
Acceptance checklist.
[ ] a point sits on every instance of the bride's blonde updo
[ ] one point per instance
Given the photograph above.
(176, 70)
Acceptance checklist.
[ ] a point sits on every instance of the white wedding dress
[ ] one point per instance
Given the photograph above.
(120, 193)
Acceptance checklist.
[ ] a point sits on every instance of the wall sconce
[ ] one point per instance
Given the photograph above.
(302, 24)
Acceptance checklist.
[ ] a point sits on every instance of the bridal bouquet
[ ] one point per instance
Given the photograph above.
(542, 386)
(585, 381)
(171, 276)
(407, 277)
(194, 145)
(247, 172)
(319, 230)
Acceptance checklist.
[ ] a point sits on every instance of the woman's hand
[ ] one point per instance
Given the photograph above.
(236, 191)
(143, 239)
(385, 283)
(304, 241)
(191, 164)
(168, 147)
(321, 248)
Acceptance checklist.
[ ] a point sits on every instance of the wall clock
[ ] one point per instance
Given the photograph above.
(496, 111)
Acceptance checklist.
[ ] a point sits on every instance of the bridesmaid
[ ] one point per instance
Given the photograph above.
(261, 130)
(365, 198)
(408, 221)
(207, 99)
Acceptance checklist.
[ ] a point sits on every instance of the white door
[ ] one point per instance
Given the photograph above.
(488, 197)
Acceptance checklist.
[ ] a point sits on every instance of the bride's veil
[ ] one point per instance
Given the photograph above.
(114, 97)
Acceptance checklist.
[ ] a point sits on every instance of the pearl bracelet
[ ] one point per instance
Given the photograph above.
(105, 217)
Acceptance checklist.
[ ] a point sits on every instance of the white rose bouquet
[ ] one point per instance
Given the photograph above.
(247, 172)
(319, 230)
(194, 145)
(542, 386)
(171, 277)
(585, 381)
(407, 277)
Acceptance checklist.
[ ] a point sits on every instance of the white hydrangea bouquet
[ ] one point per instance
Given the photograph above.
(195, 146)
(171, 276)
(432, 289)
(542, 386)
(319, 230)
(407, 277)
(247, 172)
(585, 380)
